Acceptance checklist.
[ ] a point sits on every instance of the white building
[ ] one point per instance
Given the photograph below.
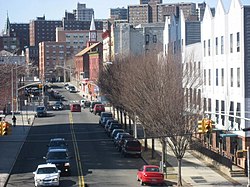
(225, 57)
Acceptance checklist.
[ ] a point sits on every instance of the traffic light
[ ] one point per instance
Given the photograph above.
(9, 129)
(4, 129)
(40, 86)
(201, 126)
(0, 128)
(208, 125)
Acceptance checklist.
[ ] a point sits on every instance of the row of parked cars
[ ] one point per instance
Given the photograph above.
(123, 141)
(57, 162)
(128, 145)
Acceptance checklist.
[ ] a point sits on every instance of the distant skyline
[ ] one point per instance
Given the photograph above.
(25, 10)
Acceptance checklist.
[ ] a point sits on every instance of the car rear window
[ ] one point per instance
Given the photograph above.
(153, 169)
(133, 144)
(47, 170)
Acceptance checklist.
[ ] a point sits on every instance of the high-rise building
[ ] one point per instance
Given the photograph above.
(119, 13)
(83, 13)
(147, 1)
(21, 32)
(43, 30)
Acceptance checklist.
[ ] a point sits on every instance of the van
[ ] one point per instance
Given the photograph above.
(75, 107)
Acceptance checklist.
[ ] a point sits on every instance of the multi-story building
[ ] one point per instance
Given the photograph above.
(21, 32)
(43, 30)
(52, 60)
(155, 11)
(148, 1)
(32, 59)
(128, 40)
(119, 13)
(223, 55)
(82, 13)
(76, 40)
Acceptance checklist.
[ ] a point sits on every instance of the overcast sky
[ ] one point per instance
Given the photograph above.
(22, 11)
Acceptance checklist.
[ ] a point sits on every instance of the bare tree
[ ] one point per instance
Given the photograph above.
(156, 90)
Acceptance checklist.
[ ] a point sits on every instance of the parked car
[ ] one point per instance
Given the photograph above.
(41, 111)
(122, 139)
(108, 123)
(131, 147)
(98, 108)
(150, 174)
(115, 132)
(75, 107)
(113, 125)
(104, 120)
(92, 105)
(57, 143)
(104, 114)
(47, 175)
(60, 158)
(118, 137)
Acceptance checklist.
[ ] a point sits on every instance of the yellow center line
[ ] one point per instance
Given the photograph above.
(76, 151)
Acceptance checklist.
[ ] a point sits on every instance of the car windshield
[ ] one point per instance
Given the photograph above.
(152, 169)
(106, 114)
(47, 170)
(40, 108)
(133, 144)
(57, 144)
(57, 155)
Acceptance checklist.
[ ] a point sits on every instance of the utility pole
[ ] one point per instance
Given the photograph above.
(12, 93)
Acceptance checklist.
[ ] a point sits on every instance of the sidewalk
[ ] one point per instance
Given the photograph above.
(195, 171)
(11, 144)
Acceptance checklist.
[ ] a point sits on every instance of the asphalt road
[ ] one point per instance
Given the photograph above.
(95, 161)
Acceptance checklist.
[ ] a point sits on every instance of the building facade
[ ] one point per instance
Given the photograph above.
(82, 13)
(43, 30)
(119, 13)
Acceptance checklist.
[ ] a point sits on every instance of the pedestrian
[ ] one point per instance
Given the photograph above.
(14, 120)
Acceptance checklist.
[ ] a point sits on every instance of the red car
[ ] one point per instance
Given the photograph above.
(150, 174)
(98, 108)
(75, 107)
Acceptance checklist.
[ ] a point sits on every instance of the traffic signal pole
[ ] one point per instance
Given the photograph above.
(248, 167)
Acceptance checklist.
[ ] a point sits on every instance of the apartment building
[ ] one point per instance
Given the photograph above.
(82, 13)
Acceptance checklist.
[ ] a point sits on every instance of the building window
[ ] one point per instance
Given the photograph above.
(223, 113)
(238, 42)
(217, 77)
(217, 111)
(222, 45)
(205, 77)
(231, 43)
(238, 77)
(222, 77)
(204, 47)
(209, 77)
(154, 39)
(147, 39)
(216, 45)
(231, 77)
(209, 47)
(238, 114)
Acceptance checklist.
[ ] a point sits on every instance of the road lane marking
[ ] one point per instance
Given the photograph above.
(76, 151)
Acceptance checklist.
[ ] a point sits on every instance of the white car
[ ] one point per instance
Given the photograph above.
(47, 175)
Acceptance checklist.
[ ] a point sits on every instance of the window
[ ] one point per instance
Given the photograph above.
(217, 77)
(222, 77)
(238, 77)
(238, 42)
(238, 114)
(216, 45)
(209, 77)
(204, 47)
(205, 77)
(222, 44)
(231, 77)
(223, 112)
(217, 110)
(231, 43)
(147, 39)
(154, 39)
(209, 47)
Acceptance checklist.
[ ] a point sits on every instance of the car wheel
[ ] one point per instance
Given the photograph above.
(141, 182)
(137, 178)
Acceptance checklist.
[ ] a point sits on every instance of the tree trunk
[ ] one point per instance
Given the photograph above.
(125, 120)
(163, 155)
(118, 117)
(179, 183)
(153, 149)
(121, 112)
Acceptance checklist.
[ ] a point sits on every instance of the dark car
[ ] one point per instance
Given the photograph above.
(108, 123)
(60, 158)
(92, 105)
(58, 106)
(105, 119)
(86, 104)
(104, 114)
(72, 89)
(113, 125)
(115, 132)
(57, 143)
(122, 139)
(131, 147)
(41, 111)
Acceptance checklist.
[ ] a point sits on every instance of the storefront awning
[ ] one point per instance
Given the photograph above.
(228, 135)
